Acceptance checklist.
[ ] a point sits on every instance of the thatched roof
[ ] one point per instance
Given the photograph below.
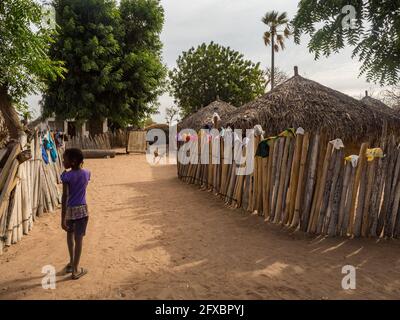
(300, 102)
(161, 126)
(377, 104)
(203, 117)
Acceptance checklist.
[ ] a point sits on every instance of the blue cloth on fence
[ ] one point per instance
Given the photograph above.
(53, 152)
(50, 145)
(44, 155)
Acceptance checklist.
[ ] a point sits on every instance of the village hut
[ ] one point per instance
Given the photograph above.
(300, 102)
(378, 105)
(161, 126)
(204, 116)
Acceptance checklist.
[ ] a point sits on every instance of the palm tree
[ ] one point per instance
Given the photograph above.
(275, 37)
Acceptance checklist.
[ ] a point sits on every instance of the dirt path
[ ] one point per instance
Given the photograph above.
(151, 236)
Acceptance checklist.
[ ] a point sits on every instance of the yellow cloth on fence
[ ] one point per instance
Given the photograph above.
(288, 133)
(353, 159)
(374, 153)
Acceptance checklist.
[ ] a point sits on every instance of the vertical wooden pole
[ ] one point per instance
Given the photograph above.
(294, 177)
(310, 183)
(360, 168)
(300, 185)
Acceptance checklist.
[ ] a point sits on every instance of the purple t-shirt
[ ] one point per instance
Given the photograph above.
(77, 181)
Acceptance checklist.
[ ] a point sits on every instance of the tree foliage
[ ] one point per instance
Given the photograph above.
(87, 43)
(274, 21)
(374, 33)
(212, 71)
(113, 56)
(25, 39)
(144, 73)
(277, 31)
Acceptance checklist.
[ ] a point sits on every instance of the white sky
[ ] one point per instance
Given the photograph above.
(237, 23)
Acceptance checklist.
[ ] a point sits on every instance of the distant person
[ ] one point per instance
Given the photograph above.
(59, 137)
(75, 213)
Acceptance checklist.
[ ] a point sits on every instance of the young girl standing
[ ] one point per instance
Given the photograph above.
(75, 213)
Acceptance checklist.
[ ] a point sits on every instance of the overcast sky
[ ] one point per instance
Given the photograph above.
(237, 23)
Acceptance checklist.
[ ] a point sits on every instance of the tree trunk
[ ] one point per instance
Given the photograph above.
(272, 60)
(9, 113)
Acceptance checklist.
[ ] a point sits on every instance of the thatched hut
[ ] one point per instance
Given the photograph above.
(300, 102)
(204, 116)
(161, 126)
(378, 105)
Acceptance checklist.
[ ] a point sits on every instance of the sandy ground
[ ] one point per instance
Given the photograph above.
(150, 236)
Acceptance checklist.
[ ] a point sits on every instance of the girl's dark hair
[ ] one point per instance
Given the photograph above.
(74, 154)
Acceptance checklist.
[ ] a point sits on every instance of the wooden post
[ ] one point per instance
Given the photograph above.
(321, 157)
(388, 231)
(360, 201)
(300, 185)
(343, 197)
(286, 189)
(276, 176)
(360, 168)
(349, 197)
(336, 189)
(310, 183)
(324, 205)
(371, 172)
(391, 161)
(267, 193)
(294, 177)
(281, 183)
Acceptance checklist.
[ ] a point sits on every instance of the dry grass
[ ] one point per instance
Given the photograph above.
(300, 102)
(202, 117)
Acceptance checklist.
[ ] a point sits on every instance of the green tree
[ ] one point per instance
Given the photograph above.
(275, 37)
(24, 60)
(114, 59)
(373, 31)
(87, 43)
(143, 71)
(212, 71)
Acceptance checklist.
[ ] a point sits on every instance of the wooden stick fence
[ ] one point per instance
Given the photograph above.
(105, 141)
(307, 183)
(28, 188)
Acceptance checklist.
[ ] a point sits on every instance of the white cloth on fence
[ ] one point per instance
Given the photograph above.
(337, 144)
(216, 115)
(353, 159)
(258, 130)
(300, 131)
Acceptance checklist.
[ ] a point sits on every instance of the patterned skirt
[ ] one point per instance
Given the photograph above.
(78, 212)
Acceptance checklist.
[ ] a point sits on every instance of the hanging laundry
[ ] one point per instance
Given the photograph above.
(44, 155)
(258, 130)
(216, 117)
(288, 133)
(53, 152)
(264, 146)
(263, 149)
(374, 153)
(354, 160)
(337, 144)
